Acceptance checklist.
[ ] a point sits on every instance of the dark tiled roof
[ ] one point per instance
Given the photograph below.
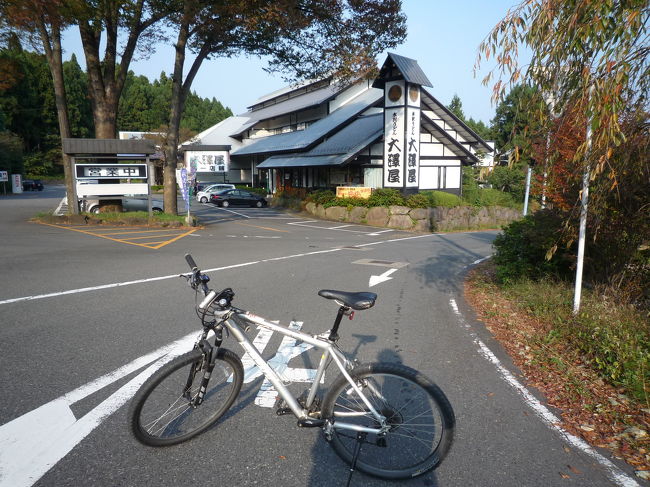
(397, 66)
(336, 150)
(108, 146)
(303, 139)
(302, 102)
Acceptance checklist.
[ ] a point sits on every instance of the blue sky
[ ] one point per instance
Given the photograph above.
(443, 37)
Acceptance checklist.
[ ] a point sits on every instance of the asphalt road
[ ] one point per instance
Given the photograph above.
(76, 309)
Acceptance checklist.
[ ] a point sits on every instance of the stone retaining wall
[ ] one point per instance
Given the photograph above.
(439, 219)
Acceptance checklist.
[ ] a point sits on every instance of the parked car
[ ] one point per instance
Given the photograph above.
(128, 204)
(32, 185)
(237, 197)
(203, 195)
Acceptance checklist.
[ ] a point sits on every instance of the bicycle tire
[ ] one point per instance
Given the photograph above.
(409, 449)
(162, 415)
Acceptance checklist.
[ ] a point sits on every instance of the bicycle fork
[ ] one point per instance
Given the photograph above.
(209, 356)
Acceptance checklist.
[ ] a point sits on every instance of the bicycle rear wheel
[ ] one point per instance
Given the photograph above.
(164, 411)
(420, 417)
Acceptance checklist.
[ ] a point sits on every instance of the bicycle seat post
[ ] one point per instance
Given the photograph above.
(334, 336)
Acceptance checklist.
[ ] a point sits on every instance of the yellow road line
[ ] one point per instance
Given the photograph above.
(136, 231)
(177, 238)
(149, 236)
(120, 240)
(263, 228)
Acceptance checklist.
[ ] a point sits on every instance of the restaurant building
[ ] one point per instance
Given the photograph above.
(390, 132)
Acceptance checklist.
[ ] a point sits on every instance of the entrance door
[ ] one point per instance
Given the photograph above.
(372, 177)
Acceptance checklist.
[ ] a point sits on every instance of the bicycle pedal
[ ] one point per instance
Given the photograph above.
(283, 411)
(311, 423)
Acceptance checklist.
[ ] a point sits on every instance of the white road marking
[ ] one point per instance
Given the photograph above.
(232, 211)
(288, 350)
(613, 472)
(338, 229)
(374, 280)
(375, 234)
(215, 269)
(34, 442)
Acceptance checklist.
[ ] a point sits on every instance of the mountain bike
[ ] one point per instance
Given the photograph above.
(385, 419)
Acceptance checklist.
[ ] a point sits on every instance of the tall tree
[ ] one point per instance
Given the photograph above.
(303, 39)
(131, 19)
(589, 54)
(456, 107)
(44, 20)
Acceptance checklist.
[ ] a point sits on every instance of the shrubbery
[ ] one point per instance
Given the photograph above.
(522, 248)
(386, 197)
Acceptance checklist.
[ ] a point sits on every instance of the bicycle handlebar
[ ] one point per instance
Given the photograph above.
(190, 262)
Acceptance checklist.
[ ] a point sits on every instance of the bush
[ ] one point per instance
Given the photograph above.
(288, 199)
(347, 202)
(418, 200)
(386, 197)
(440, 198)
(321, 197)
(522, 247)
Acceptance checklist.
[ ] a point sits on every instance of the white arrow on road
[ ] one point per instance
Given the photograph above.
(381, 278)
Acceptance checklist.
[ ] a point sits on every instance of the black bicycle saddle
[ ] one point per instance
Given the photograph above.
(361, 300)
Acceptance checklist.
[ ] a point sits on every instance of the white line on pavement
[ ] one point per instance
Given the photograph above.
(35, 442)
(613, 472)
(161, 278)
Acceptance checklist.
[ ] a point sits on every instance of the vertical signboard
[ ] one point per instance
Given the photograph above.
(412, 174)
(394, 131)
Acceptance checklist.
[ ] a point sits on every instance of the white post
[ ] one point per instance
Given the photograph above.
(530, 170)
(583, 221)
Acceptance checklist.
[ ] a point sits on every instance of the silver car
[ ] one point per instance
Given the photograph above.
(203, 196)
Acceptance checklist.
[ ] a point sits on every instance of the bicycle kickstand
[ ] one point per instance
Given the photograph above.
(361, 437)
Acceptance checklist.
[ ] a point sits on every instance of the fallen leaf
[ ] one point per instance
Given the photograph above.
(574, 470)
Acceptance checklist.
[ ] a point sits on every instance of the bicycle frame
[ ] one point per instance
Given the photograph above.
(230, 317)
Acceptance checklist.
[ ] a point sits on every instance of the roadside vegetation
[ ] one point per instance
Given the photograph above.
(476, 196)
(135, 218)
(577, 113)
(593, 367)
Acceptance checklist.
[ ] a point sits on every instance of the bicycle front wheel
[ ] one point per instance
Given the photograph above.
(420, 419)
(165, 411)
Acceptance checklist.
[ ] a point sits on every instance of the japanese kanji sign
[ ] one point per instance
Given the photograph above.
(111, 171)
(401, 134)
(207, 161)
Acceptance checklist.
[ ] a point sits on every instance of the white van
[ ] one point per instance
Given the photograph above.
(203, 196)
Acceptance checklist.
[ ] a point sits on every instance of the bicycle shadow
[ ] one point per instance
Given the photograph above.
(329, 469)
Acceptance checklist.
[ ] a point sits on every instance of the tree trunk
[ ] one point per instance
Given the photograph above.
(180, 89)
(52, 46)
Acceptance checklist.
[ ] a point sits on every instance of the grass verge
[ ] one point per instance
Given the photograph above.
(593, 367)
(125, 218)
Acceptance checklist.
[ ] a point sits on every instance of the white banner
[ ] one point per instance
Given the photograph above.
(394, 147)
(412, 173)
